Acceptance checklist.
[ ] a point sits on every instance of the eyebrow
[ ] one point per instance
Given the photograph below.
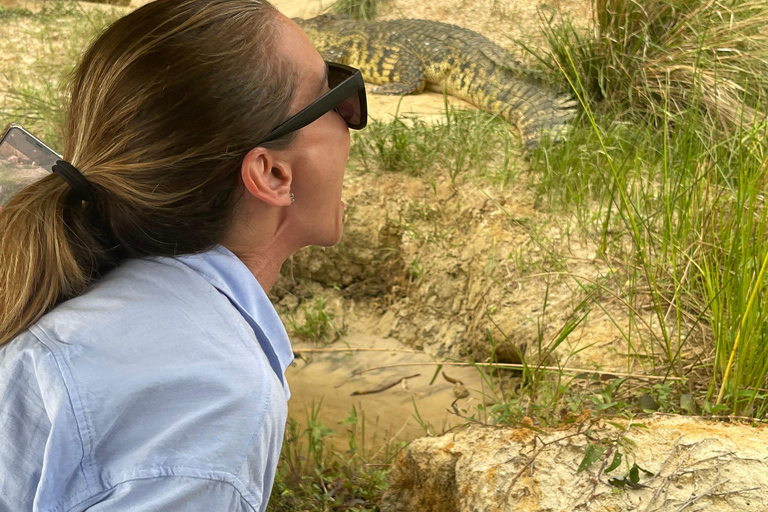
(324, 82)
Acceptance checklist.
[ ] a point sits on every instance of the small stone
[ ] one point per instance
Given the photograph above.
(647, 403)
(687, 403)
(460, 391)
(289, 302)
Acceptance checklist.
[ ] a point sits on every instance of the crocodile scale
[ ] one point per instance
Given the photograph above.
(407, 56)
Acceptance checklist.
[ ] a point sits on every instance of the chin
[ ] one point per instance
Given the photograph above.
(331, 240)
(327, 235)
(321, 239)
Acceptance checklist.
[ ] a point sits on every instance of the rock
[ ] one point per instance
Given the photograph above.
(677, 463)
(507, 352)
(647, 403)
(426, 480)
(460, 391)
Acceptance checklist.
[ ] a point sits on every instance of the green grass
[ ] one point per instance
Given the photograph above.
(314, 322)
(54, 38)
(675, 201)
(314, 475)
(356, 9)
(468, 144)
(655, 60)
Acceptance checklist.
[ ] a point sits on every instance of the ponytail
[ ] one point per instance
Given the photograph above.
(164, 107)
(48, 253)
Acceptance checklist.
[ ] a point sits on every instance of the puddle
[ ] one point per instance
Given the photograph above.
(390, 414)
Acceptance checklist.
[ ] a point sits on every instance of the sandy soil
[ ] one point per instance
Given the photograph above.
(485, 254)
(486, 273)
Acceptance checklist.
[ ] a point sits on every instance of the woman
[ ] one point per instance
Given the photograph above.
(142, 365)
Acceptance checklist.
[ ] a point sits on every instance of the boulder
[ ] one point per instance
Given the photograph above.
(662, 463)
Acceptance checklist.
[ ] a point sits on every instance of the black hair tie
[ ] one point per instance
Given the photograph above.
(81, 187)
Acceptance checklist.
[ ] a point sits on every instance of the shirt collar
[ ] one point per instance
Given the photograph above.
(220, 267)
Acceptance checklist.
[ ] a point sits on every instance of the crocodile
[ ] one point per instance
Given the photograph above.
(408, 56)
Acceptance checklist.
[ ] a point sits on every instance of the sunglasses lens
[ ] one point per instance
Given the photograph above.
(349, 109)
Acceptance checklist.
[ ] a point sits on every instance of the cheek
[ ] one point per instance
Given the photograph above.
(346, 110)
(342, 140)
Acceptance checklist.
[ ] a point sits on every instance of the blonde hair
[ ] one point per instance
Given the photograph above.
(164, 106)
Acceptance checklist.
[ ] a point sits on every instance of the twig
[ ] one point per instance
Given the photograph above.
(667, 479)
(721, 417)
(532, 458)
(596, 480)
(553, 369)
(659, 471)
(384, 388)
(738, 491)
(451, 379)
(694, 499)
(355, 349)
(708, 459)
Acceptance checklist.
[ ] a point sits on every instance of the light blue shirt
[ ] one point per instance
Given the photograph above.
(161, 388)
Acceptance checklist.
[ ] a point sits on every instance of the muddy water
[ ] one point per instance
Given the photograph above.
(390, 414)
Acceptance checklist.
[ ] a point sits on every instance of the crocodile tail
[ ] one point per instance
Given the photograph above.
(549, 115)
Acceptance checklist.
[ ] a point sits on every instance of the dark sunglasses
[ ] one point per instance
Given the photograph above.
(347, 97)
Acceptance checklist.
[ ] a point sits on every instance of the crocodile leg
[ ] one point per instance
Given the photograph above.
(405, 73)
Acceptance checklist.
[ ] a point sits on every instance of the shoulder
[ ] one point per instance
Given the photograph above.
(146, 311)
(160, 374)
(37, 414)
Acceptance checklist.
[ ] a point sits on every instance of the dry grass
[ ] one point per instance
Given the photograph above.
(657, 58)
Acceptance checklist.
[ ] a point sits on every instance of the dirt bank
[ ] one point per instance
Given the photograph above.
(459, 269)
(678, 464)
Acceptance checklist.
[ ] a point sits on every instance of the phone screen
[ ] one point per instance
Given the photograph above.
(23, 160)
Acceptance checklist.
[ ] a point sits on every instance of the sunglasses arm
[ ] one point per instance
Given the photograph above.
(318, 108)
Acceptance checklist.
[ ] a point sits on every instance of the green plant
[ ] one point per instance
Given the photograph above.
(606, 398)
(469, 144)
(313, 475)
(356, 9)
(617, 449)
(314, 322)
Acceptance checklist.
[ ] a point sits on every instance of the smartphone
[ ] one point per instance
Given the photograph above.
(23, 159)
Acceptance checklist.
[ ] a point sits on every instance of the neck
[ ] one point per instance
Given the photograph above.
(262, 238)
(264, 264)
(262, 246)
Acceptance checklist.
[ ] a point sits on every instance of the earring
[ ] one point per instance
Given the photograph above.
(293, 199)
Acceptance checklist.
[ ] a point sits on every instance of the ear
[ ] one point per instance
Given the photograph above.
(266, 177)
